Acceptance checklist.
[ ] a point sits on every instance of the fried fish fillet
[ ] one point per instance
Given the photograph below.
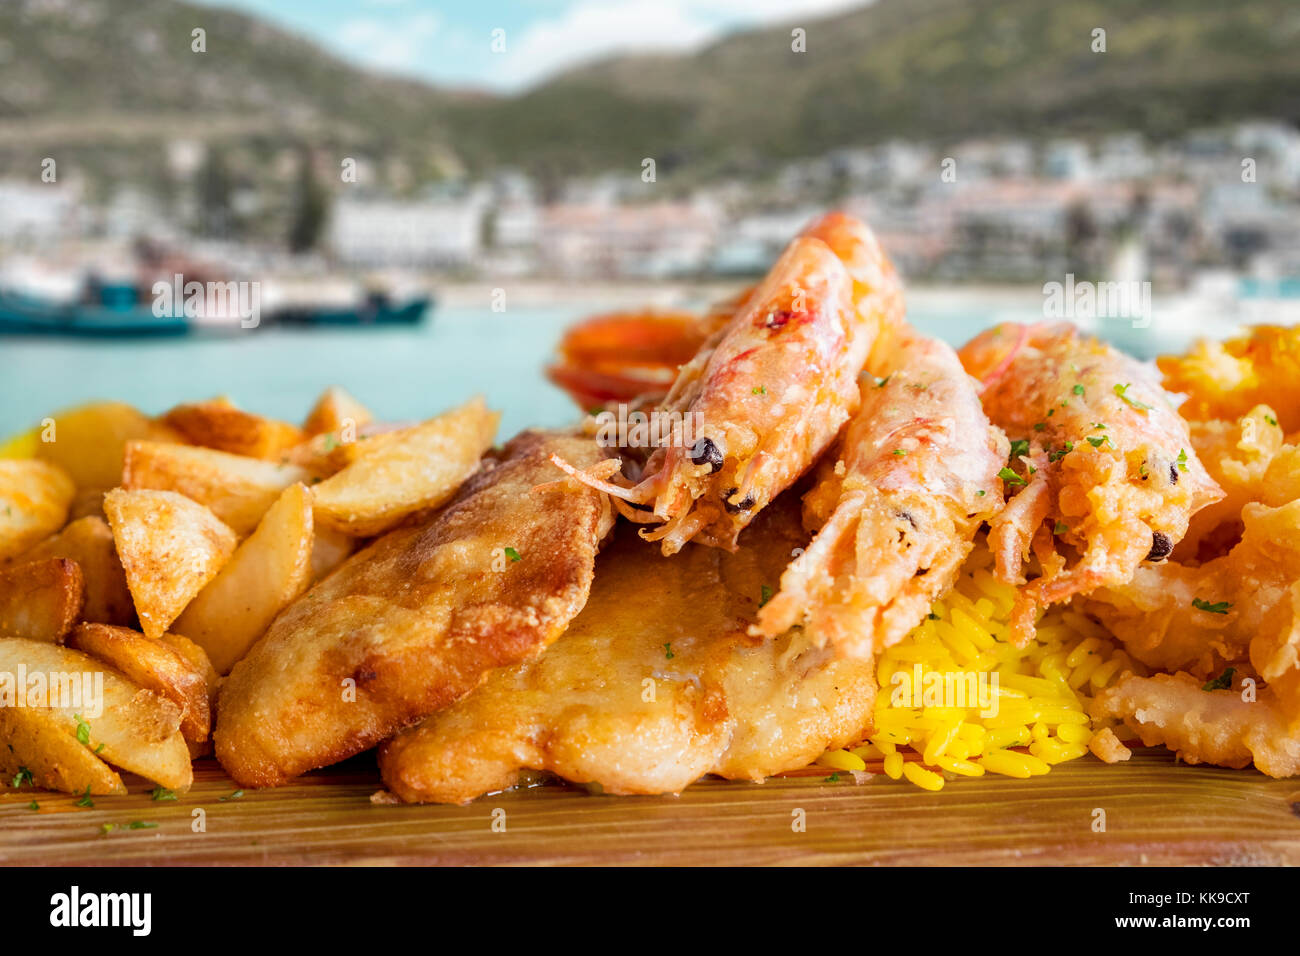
(656, 683)
(414, 621)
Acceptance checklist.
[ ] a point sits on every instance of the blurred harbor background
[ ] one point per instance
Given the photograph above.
(995, 146)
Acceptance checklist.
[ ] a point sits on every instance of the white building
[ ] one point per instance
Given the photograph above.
(433, 231)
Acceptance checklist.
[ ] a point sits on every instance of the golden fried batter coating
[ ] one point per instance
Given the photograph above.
(656, 683)
(1227, 379)
(1244, 605)
(1204, 726)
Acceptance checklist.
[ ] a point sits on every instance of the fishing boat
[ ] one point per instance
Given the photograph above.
(120, 310)
(114, 314)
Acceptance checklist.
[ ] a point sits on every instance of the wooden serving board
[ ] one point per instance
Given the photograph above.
(1157, 812)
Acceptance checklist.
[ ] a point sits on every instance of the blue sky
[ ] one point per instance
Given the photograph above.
(449, 41)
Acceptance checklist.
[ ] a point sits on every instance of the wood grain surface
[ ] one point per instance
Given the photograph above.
(1157, 812)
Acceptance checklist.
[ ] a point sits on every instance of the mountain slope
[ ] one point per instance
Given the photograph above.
(113, 77)
(925, 69)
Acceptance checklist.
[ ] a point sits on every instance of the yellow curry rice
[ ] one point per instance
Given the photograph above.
(957, 700)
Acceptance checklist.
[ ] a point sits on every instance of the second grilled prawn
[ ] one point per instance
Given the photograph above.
(916, 475)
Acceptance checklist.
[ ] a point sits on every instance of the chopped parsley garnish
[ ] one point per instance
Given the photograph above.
(161, 793)
(1142, 469)
(231, 796)
(1061, 528)
(33, 805)
(21, 777)
(760, 390)
(83, 731)
(1061, 452)
(107, 828)
(764, 594)
(668, 652)
(882, 382)
(1077, 390)
(1140, 406)
(1019, 447)
(833, 778)
(900, 452)
(1182, 460)
(85, 800)
(1096, 442)
(1010, 477)
(1039, 426)
(1222, 682)
(1271, 420)
(512, 554)
(980, 492)
(1216, 607)
(1098, 426)
(331, 442)
(100, 747)
(142, 825)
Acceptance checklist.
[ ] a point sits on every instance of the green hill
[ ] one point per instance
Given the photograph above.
(924, 69)
(109, 79)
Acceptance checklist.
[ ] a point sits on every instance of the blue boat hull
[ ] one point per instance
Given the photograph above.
(23, 315)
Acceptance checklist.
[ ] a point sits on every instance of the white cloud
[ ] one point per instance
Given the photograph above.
(589, 29)
(384, 45)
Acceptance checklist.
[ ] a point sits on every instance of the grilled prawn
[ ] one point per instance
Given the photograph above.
(916, 475)
(1101, 462)
(769, 389)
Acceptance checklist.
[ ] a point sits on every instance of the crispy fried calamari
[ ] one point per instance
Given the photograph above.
(1204, 726)
(655, 683)
(414, 621)
(1227, 379)
(1244, 606)
(1250, 461)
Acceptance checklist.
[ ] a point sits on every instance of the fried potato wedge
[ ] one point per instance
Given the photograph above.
(170, 547)
(420, 467)
(88, 442)
(34, 500)
(88, 503)
(336, 411)
(329, 549)
(40, 600)
(199, 658)
(413, 622)
(154, 665)
(221, 425)
(329, 453)
(129, 727)
(89, 542)
(237, 489)
(268, 571)
(654, 684)
(38, 742)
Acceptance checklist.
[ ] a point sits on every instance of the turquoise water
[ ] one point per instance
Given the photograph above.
(399, 373)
